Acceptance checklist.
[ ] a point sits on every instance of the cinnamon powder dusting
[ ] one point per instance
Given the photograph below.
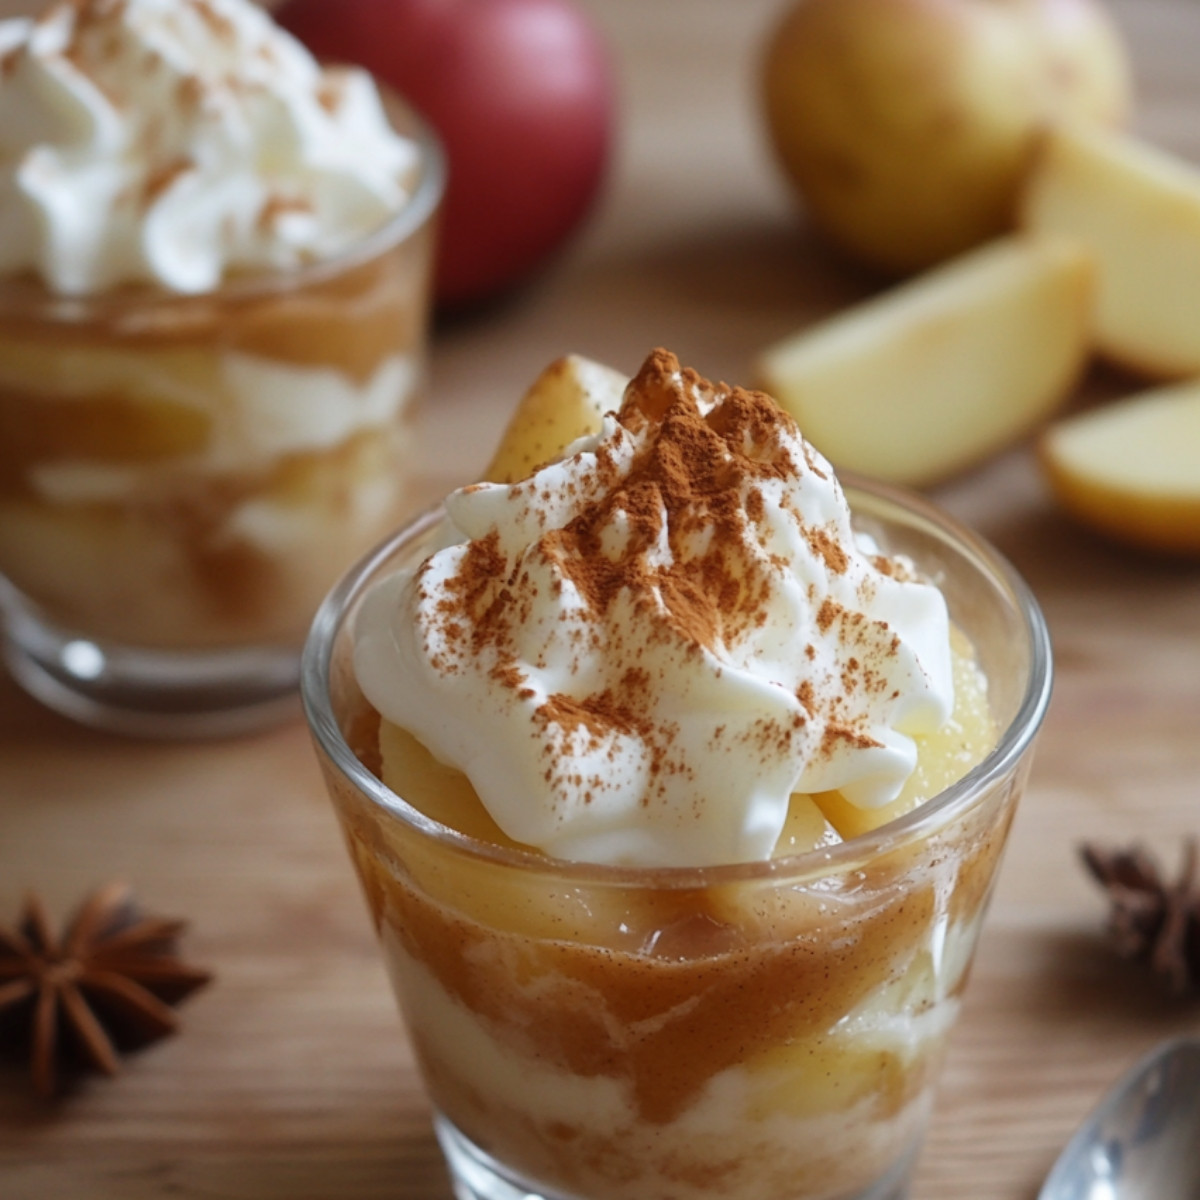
(681, 529)
(161, 180)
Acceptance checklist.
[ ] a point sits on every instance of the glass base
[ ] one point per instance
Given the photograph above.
(148, 693)
(475, 1175)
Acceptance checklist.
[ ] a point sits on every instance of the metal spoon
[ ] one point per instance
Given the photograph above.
(1143, 1141)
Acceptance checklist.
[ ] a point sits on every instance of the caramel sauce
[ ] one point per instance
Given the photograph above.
(661, 989)
(665, 1024)
(109, 429)
(352, 323)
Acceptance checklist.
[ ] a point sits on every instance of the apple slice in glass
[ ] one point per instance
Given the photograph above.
(567, 401)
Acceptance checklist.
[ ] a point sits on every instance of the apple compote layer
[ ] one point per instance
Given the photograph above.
(767, 1030)
(194, 472)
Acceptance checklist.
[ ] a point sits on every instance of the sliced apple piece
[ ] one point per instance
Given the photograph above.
(440, 792)
(943, 756)
(567, 401)
(806, 828)
(936, 374)
(1137, 209)
(189, 376)
(101, 429)
(526, 902)
(810, 1077)
(1131, 470)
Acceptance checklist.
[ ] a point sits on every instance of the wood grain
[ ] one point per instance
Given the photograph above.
(292, 1078)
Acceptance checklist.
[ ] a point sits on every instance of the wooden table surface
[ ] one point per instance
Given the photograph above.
(292, 1079)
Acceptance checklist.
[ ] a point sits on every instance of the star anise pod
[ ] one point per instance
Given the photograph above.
(1152, 920)
(105, 986)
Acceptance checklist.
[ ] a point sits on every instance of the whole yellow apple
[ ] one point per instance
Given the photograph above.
(907, 125)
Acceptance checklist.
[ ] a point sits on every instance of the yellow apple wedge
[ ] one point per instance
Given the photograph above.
(1131, 470)
(945, 755)
(932, 376)
(566, 401)
(440, 792)
(1137, 208)
(519, 901)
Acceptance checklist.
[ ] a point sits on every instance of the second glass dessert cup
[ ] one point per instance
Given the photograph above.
(767, 1031)
(182, 478)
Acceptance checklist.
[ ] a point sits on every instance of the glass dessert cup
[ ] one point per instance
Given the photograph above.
(182, 478)
(768, 1030)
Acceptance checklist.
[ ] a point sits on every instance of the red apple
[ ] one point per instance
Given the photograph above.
(520, 92)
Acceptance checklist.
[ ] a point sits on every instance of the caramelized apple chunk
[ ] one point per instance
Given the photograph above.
(943, 757)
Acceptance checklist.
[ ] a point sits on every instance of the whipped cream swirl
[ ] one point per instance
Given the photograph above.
(176, 141)
(637, 654)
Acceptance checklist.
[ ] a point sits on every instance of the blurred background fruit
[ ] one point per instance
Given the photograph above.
(1136, 207)
(906, 125)
(521, 94)
(946, 369)
(1131, 470)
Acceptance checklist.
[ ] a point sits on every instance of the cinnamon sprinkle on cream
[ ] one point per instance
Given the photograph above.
(669, 624)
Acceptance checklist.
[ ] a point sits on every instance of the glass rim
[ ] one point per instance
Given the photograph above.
(34, 299)
(1012, 744)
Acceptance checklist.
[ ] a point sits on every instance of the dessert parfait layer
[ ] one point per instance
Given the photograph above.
(773, 1032)
(193, 472)
(215, 262)
(755, 1009)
